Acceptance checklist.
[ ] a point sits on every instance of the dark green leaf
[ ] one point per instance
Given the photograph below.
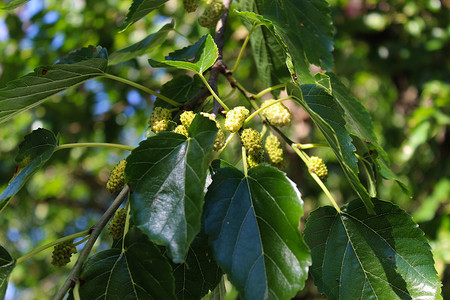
(252, 223)
(14, 4)
(200, 272)
(361, 256)
(167, 175)
(139, 272)
(268, 50)
(180, 88)
(7, 264)
(34, 152)
(198, 57)
(327, 115)
(84, 54)
(359, 123)
(32, 89)
(139, 9)
(142, 47)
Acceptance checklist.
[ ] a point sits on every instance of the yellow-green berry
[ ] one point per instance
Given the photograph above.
(116, 179)
(62, 253)
(255, 159)
(212, 14)
(277, 114)
(186, 118)
(235, 118)
(251, 140)
(117, 224)
(274, 151)
(159, 120)
(190, 5)
(220, 140)
(181, 130)
(317, 166)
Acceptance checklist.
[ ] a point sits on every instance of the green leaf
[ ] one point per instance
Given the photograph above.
(34, 151)
(14, 4)
(359, 123)
(167, 175)
(252, 223)
(142, 47)
(200, 272)
(7, 264)
(268, 49)
(84, 54)
(305, 26)
(32, 89)
(360, 256)
(220, 292)
(181, 88)
(139, 272)
(139, 9)
(327, 115)
(198, 57)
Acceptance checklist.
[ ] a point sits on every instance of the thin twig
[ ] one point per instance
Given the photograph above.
(96, 230)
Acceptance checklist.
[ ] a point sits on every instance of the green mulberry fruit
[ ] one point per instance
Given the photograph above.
(317, 166)
(277, 114)
(274, 151)
(251, 140)
(116, 179)
(212, 14)
(190, 5)
(220, 137)
(255, 159)
(62, 253)
(235, 118)
(181, 130)
(117, 224)
(159, 120)
(186, 118)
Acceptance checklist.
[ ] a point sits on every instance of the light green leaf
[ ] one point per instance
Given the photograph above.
(252, 223)
(142, 47)
(327, 115)
(139, 272)
(361, 256)
(7, 264)
(85, 53)
(167, 175)
(268, 49)
(198, 57)
(32, 89)
(139, 9)
(14, 4)
(181, 88)
(34, 151)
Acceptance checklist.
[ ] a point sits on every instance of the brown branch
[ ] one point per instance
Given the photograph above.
(96, 230)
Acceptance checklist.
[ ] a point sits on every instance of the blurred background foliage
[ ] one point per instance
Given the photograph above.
(393, 55)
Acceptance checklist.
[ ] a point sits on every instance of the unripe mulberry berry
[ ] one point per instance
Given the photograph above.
(220, 137)
(274, 151)
(117, 224)
(116, 179)
(159, 120)
(62, 253)
(190, 5)
(255, 159)
(181, 130)
(235, 118)
(212, 14)
(251, 140)
(277, 114)
(317, 166)
(186, 118)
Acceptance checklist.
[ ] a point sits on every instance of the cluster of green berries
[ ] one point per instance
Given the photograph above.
(62, 253)
(252, 142)
(116, 179)
(235, 118)
(274, 151)
(277, 114)
(117, 224)
(213, 11)
(191, 5)
(160, 119)
(317, 166)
